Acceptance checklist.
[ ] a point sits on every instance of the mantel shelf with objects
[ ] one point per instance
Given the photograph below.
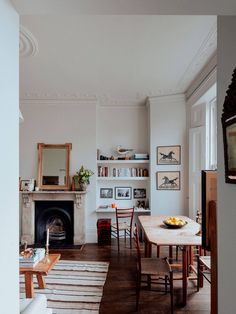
(112, 210)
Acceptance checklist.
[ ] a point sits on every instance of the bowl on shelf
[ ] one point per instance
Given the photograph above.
(174, 223)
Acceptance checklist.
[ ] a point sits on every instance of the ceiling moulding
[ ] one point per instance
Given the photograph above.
(55, 102)
(58, 96)
(205, 52)
(28, 43)
(166, 99)
(104, 99)
(123, 104)
(86, 101)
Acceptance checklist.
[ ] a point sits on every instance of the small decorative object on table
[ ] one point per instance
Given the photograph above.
(175, 223)
(29, 257)
(81, 179)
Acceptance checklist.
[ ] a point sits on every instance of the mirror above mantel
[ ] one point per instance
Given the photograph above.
(54, 166)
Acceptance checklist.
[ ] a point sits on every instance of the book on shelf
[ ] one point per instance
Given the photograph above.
(139, 156)
(122, 172)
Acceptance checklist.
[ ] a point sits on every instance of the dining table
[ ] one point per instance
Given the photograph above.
(187, 236)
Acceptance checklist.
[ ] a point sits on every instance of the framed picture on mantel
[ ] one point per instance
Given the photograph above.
(27, 185)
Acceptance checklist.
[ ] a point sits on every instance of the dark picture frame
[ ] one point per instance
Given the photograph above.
(139, 193)
(123, 193)
(168, 180)
(169, 155)
(228, 120)
(106, 192)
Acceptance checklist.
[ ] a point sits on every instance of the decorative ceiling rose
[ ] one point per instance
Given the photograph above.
(28, 43)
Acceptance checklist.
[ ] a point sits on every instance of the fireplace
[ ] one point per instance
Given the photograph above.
(63, 212)
(58, 217)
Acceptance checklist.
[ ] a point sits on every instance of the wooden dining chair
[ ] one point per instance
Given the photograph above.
(123, 225)
(204, 270)
(156, 270)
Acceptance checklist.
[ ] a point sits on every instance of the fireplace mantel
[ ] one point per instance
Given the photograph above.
(28, 212)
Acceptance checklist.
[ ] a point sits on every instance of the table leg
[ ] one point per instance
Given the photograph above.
(41, 282)
(29, 287)
(148, 248)
(185, 273)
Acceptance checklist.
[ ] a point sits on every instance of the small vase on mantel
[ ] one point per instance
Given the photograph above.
(83, 186)
(76, 184)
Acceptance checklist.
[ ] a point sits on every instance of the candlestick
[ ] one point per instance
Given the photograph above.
(46, 259)
(47, 239)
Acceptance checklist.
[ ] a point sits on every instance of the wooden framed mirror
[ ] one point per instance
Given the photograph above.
(54, 166)
(229, 131)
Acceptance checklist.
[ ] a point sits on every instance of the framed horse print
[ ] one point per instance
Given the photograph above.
(168, 180)
(169, 155)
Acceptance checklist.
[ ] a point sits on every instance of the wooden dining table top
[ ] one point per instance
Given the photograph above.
(158, 233)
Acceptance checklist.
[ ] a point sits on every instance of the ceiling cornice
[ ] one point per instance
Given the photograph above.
(104, 99)
(205, 52)
(28, 43)
(67, 102)
(166, 99)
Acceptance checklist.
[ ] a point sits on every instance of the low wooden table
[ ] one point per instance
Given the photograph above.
(40, 270)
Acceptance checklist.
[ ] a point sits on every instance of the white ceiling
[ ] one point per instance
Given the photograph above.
(112, 57)
(199, 7)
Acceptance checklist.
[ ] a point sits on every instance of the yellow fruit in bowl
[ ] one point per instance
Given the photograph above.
(175, 221)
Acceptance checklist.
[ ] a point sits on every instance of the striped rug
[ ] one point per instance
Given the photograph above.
(73, 286)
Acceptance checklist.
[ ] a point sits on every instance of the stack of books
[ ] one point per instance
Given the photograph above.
(30, 257)
(140, 156)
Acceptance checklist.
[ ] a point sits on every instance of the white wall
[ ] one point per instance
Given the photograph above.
(226, 210)
(125, 126)
(58, 123)
(9, 113)
(122, 125)
(167, 125)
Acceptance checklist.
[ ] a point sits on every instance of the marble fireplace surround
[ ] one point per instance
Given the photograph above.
(28, 212)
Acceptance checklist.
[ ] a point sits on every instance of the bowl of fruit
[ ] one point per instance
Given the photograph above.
(174, 223)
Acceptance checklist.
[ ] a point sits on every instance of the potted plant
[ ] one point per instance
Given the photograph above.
(82, 179)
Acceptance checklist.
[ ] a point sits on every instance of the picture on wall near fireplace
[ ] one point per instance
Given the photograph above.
(168, 180)
(169, 155)
(123, 193)
(106, 192)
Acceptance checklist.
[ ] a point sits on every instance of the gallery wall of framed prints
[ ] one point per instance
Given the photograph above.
(168, 156)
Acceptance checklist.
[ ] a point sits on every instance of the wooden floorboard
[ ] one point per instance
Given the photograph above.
(119, 290)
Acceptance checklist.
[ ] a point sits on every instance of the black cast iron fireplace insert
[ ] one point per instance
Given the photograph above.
(58, 216)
